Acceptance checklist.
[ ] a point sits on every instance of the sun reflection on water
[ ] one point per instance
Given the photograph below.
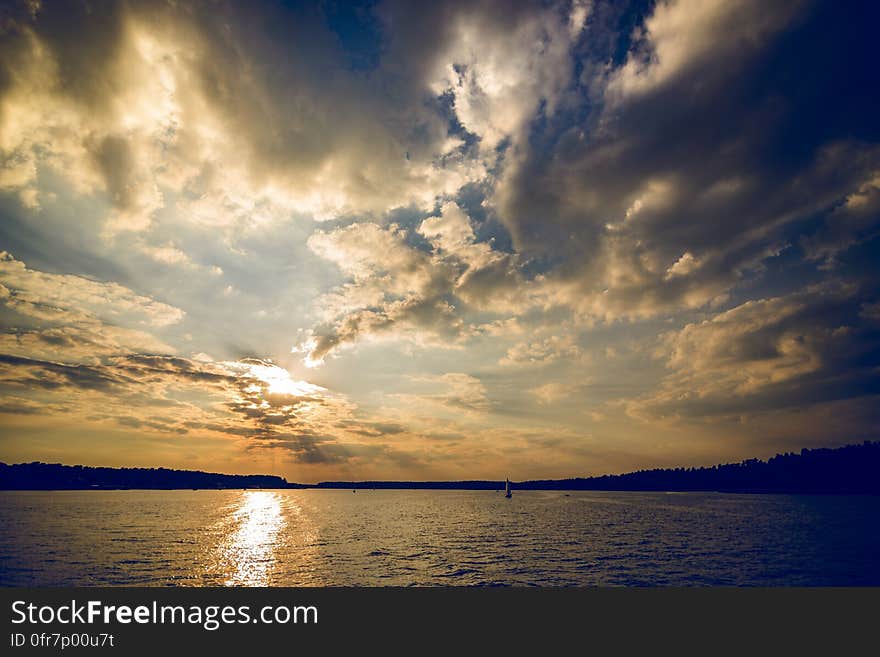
(250, 552)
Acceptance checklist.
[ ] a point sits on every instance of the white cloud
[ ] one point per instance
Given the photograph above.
(170, 105)
(685, 265)
(544, 351)
(682, 33)
(395, 288)
(42, 295)
(765, 353)
(70, 318)
(500, 75)
(554, 392)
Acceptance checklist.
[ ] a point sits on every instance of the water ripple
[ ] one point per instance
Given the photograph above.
(435, 538)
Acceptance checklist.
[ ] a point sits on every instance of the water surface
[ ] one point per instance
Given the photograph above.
(421, 538)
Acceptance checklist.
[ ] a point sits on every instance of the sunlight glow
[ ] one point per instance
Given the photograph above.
(251, 549)
(277, 379)
(307, 348)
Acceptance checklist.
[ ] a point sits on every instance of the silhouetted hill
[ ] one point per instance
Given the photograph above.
(854, 469)
(851, 469)
(54, 476)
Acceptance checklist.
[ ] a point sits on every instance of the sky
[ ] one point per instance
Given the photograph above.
(445, 240)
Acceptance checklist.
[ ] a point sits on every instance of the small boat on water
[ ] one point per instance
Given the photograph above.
(507, 492)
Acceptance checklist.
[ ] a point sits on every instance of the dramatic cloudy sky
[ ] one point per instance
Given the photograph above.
(439, 239)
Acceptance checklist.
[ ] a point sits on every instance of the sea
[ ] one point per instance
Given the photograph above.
(375, 538)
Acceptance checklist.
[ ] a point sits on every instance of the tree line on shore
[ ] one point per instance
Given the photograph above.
(853, 469)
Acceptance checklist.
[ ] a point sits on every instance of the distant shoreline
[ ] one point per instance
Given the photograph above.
(444, 489)
(853, 469)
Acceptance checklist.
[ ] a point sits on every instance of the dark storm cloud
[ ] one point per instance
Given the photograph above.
(732, 150)
(811, 347)
(137, 423)
(26, 372)
(699, 158)
(157, 368)
(21, 407)
(85, 44)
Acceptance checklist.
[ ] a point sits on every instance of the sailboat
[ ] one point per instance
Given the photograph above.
(507, 492)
